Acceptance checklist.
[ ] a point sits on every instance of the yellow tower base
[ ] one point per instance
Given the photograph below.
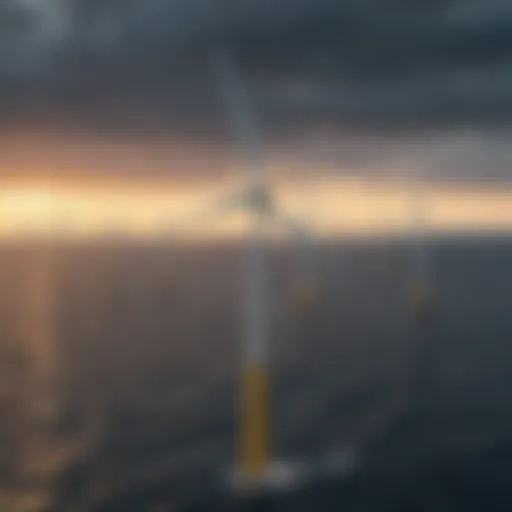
(254, 435)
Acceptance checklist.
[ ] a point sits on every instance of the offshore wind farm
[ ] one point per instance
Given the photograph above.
(255, 255)
(139, 318)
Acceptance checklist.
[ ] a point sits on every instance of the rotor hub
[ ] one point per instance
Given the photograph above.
(260, 200)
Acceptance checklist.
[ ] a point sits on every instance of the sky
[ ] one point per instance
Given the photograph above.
(370, 62)
(387, 69)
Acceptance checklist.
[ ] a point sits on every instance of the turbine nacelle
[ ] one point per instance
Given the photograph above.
(259, 200)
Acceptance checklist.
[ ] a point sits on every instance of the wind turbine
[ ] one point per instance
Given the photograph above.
(254, 469)
(257, 199)
(420, 291)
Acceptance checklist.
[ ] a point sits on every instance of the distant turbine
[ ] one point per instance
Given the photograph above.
(420, 287)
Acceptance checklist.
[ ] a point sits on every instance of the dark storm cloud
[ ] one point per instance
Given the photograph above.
(369, 62)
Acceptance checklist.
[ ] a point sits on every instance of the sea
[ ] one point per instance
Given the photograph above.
(120, 366)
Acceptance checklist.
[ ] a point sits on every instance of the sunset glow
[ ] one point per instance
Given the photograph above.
(333, 207)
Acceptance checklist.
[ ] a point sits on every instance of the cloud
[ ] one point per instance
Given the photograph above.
(364, 62)
(30, 32)
(455, 96)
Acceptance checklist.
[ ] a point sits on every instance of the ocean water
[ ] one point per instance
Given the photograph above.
(120, 372)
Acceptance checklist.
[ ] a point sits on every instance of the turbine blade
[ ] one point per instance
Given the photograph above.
(239, 110)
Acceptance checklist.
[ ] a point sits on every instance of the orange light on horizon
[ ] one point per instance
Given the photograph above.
(332, 206)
